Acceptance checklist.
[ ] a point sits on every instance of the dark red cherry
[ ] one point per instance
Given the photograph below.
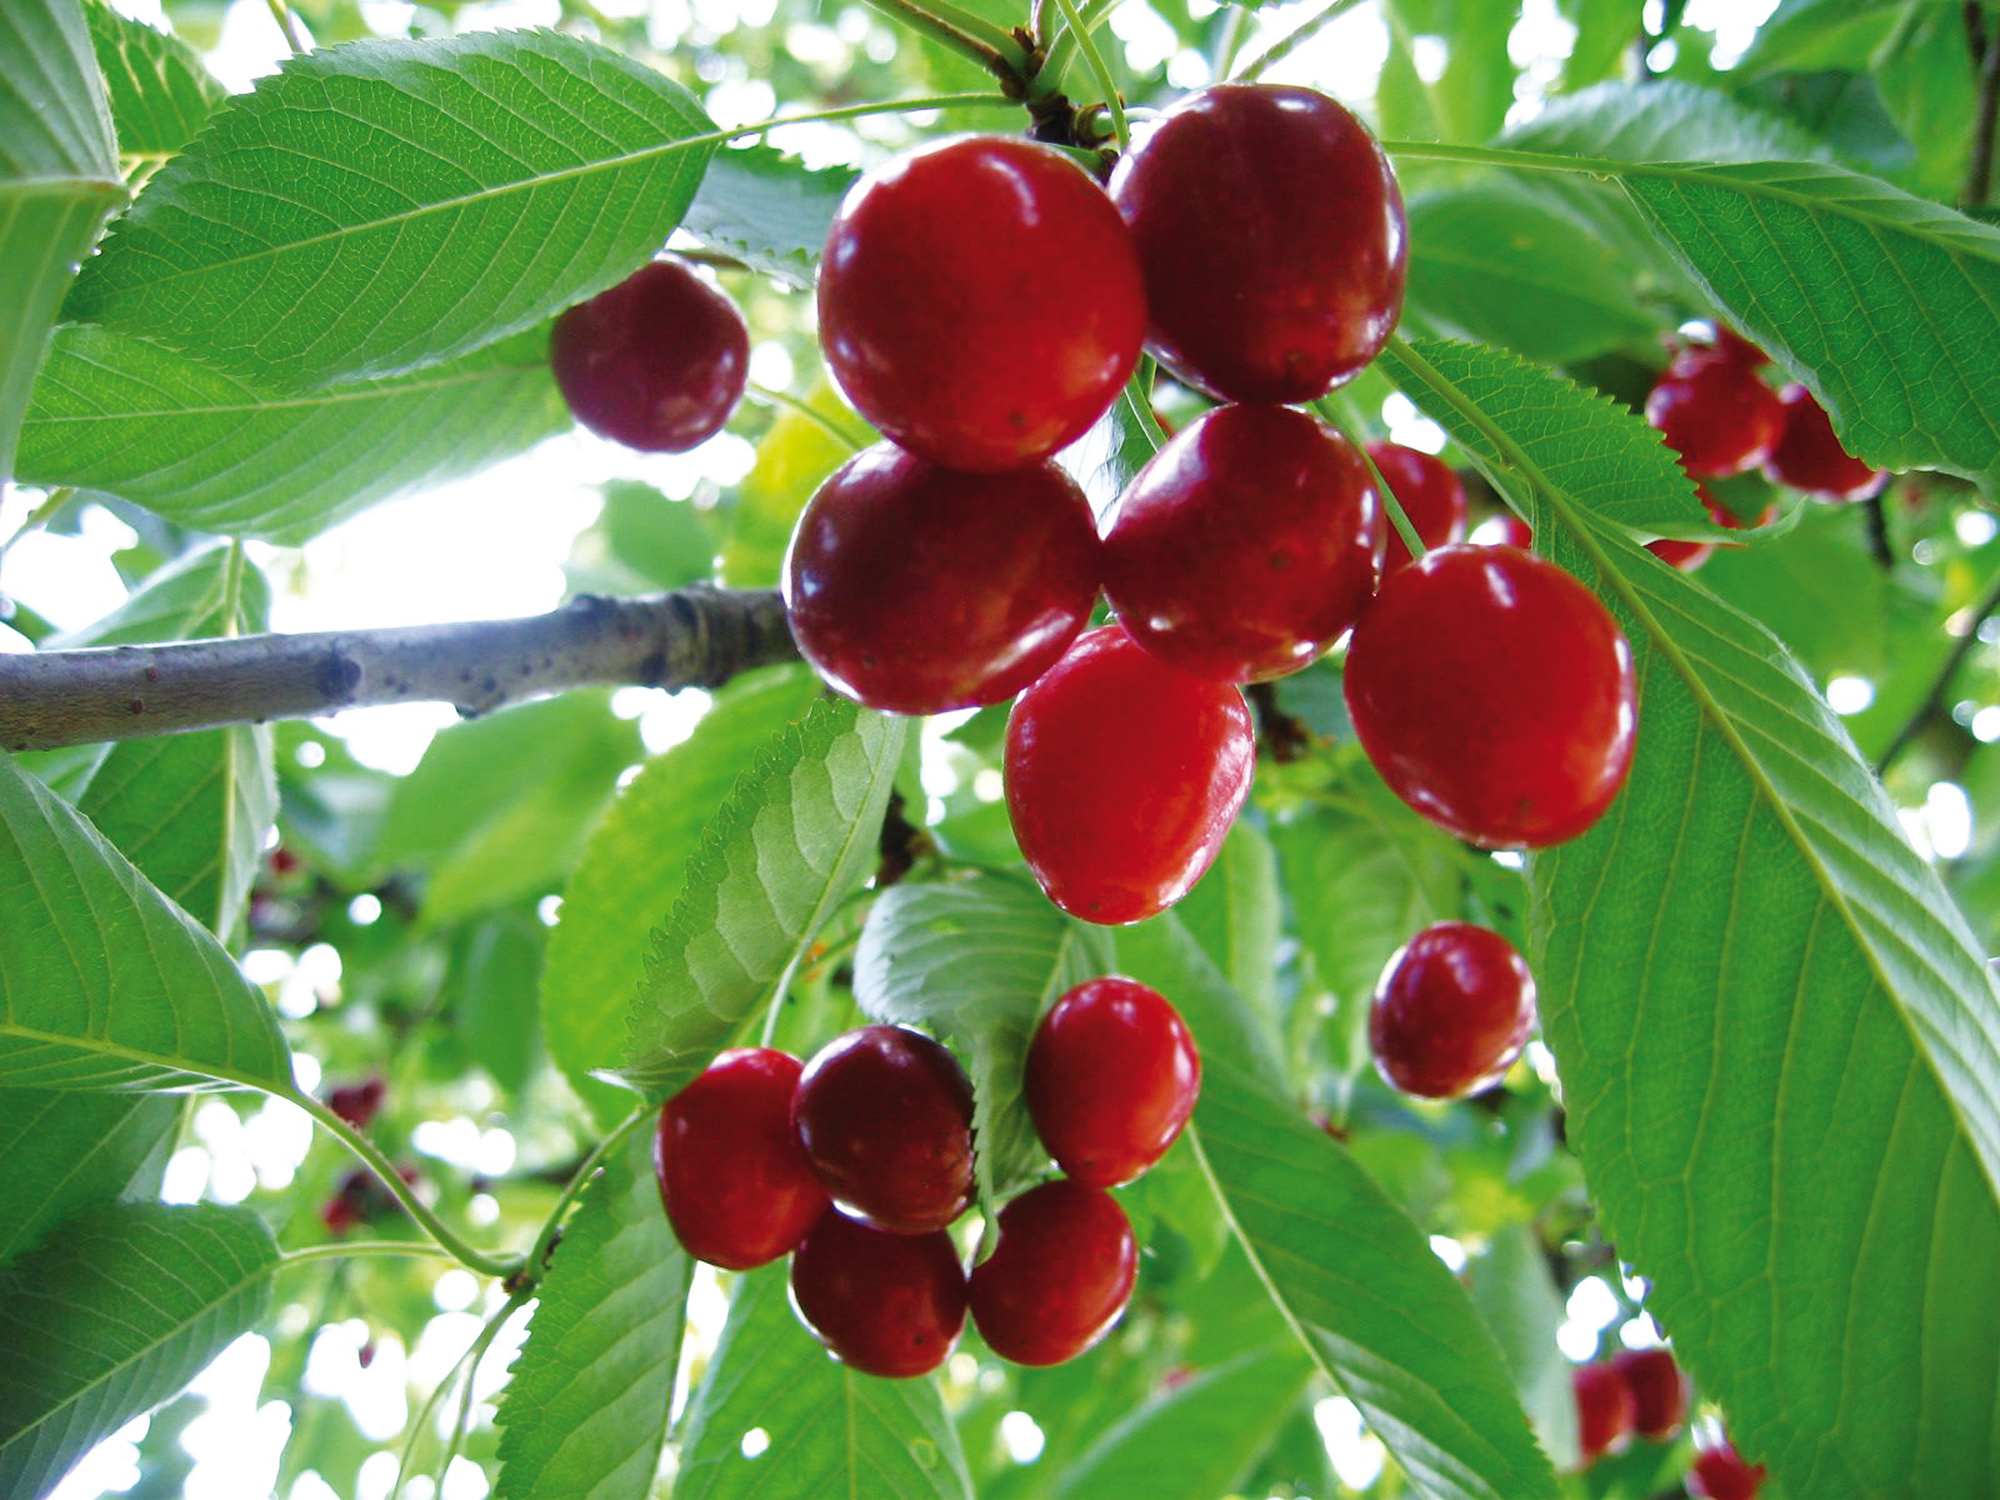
(980, 301)
(1732, 345)
(1721, 1474)
(1687, 556)
(1060, 1276)
(1809, 457)
(1247, 545)
(1273, 240)
(1123, 775)
(737, 1189)
(888, 1304)
(918, 589)
(1503, 530)
(1715, 413)
(1659, 1392)
(1431, 494)
(657, 363)
(1604, 1411)
(1112, 1077)
(1495, 694)
(885, 1116)
(358, 1103)
(1452, 1012)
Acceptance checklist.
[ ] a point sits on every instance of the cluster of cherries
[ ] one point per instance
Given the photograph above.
(1643, 1393)
(858, 1162)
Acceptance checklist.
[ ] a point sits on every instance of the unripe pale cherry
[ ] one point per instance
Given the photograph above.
(1246, 546)
(1454, 1008)
(1495, 695)
(1716, 413)
(1123, 775)
(657, 363)
(918, 589)
(887, 1304)
(1809, 457)
(1273, 240)
(1059, 1277)
(1112, 1076)
(736, 1187)
(1432, 497)
(980, 301)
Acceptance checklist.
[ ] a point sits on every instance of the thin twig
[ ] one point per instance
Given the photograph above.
(1934, 701)
(966, 34)
(1306, 30)
(1985, 45)
(1880, 548)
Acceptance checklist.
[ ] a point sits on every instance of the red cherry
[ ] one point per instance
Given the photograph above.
(918, 589)
(657, 363)
(1809, 457)
(1453, 1011)
(1732, 345)
(1112, 1076)
(737, 1189)
(1721, 1474)
(1273, 240)
(1604, 1411)
(1687, 556)
(1123, 775)
(1495, 695)
(1503, 530)
(1247, 545)
(358, 1103)
(341, 1213)
(1715, 413)
(1431, 495)
(1060, 1276)
(888, 1304)
(1659, 1392)
(885, 1116)
(980, 301)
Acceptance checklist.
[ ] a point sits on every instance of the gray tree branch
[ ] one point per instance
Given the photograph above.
(693, 637)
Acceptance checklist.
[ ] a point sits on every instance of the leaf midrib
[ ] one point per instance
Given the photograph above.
(309, 402)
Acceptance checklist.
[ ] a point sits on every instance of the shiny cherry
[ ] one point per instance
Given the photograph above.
(1659, 1392)
(1715, 413)
(888, 1304)
(1503, 530)
(1809, 457)
(657, 363)
(919, 589)
(1431, 495)
(1112, 1076)
(980, 301)
(1452, 1012)
(1247, 546)
(1688, 556)
(737, 1189)
(1495, 694)
(1721, 1474)
(885, 1116)
(1123, 775)
(1604, 1411)
(1059, 1277)
(1273, 240)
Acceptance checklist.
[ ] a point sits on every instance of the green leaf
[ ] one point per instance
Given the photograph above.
(795, 454)
(978, 961)
(1123, 441)
(585, 1413)
(1236, 913)
(507, 176)
(58, 179)
(1198, 1440)
(796, 836)
(495, 976)
(60, 1152)
(833, 1432)
(643, 540)
(117, 1313)
(1663, 119)
(1777, 1036)
(1513, 1291)
(769, 210)
(633, 871)
(104, 984)
(206, 450)
(158, 90)
(1376, 1310)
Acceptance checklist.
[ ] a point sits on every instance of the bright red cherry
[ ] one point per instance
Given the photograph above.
(1687, 556)
(888, 1304)
(1431, 494)
(737, 1189)
(1721, 1474)
(885, 1116)
(1273, 239)
(1732, 345)
(1603, 1411)
(1503, 530)
(1715, 413)
(1452, 1012)
(1247, 546)
(1659, 1392)
(1809, 457)
(980, 301)
(1060, 1276)
(1112, 1077)
(657, 363)
(1123, 775)
(1495, 694)
(918, 589)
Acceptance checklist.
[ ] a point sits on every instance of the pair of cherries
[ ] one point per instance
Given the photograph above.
(858, 1162)
(1643, 1393)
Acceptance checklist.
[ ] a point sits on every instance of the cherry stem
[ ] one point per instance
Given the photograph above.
(1049, 79)
(1338, 409)
(1094, 60)
(1985, 44)
(573, 1189)
(288, 25)
(342, 1249)
(1278, 51)
(819, 419)
(475, 1356)
(969, 35)
(1933, 704)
